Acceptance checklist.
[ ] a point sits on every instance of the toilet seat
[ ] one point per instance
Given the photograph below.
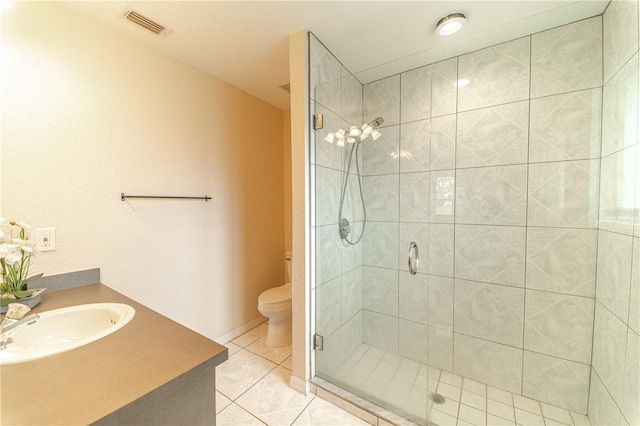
(276, 295)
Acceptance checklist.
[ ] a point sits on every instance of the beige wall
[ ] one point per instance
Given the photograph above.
(88, 113)
(298, 74)
(286, 152)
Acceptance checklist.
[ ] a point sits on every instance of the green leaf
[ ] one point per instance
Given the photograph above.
(32, 278)
(23, 294)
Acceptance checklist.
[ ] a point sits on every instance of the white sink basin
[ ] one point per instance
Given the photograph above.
(61, 330)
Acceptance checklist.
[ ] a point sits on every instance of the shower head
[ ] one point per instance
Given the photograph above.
(369, 129)
(375, 123)
(354, 134)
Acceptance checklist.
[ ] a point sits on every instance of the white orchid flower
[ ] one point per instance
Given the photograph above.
(6, 248)
(23, 245)
(13, 257)
(15, 254)
(2, 233)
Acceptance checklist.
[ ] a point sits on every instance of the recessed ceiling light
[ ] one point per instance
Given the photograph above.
(450, 24)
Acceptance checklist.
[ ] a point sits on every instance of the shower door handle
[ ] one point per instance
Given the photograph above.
(414, 258)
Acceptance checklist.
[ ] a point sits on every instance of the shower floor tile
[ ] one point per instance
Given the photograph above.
(408, 385)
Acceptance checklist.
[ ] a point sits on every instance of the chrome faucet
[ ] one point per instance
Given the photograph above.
(9, 326)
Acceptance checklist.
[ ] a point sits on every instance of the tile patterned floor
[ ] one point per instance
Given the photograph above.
(253, 389)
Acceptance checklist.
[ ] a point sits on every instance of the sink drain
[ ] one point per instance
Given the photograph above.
(437, 398)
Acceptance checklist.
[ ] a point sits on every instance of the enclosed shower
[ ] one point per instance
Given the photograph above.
(481, 255)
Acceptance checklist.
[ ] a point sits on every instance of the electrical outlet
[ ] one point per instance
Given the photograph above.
(45, 239)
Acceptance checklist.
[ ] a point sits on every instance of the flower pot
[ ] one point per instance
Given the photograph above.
(30, 301)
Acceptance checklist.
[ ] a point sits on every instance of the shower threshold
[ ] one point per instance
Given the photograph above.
(358, 406)
(372, 378)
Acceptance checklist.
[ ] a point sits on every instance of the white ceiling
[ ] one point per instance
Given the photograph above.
(245, 43)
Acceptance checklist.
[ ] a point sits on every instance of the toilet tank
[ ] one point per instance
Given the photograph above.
(289, 261)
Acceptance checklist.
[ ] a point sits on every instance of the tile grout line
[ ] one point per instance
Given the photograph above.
(234, 401)
(305, 408)
(400, 123)
(526, 220)
(597, 242)
(455, 204)
(243, 409)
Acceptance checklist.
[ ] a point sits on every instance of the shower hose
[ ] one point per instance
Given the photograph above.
(345, 227)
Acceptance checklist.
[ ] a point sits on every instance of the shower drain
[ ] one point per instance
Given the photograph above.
(437, 398)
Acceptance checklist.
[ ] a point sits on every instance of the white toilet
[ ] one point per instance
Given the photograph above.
(275, 304)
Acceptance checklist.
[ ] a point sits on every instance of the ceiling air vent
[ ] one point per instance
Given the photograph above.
(146, 23)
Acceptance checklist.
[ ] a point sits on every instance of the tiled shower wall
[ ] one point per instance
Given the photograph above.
(614, 396)
(491, 162)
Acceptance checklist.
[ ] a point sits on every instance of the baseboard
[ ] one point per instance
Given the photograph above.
(240, 331)
(299, 385)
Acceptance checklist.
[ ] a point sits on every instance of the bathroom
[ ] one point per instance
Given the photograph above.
(82, 115)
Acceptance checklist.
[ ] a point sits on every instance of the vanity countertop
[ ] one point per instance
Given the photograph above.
(86, 384)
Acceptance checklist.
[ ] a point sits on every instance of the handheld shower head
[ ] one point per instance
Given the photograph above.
(356, 135)
(375, 123)
(369, 129)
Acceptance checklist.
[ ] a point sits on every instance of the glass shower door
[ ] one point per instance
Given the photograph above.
(371, 311)
(336, 96)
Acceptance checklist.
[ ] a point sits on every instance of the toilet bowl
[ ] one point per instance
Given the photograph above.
(275, 304)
